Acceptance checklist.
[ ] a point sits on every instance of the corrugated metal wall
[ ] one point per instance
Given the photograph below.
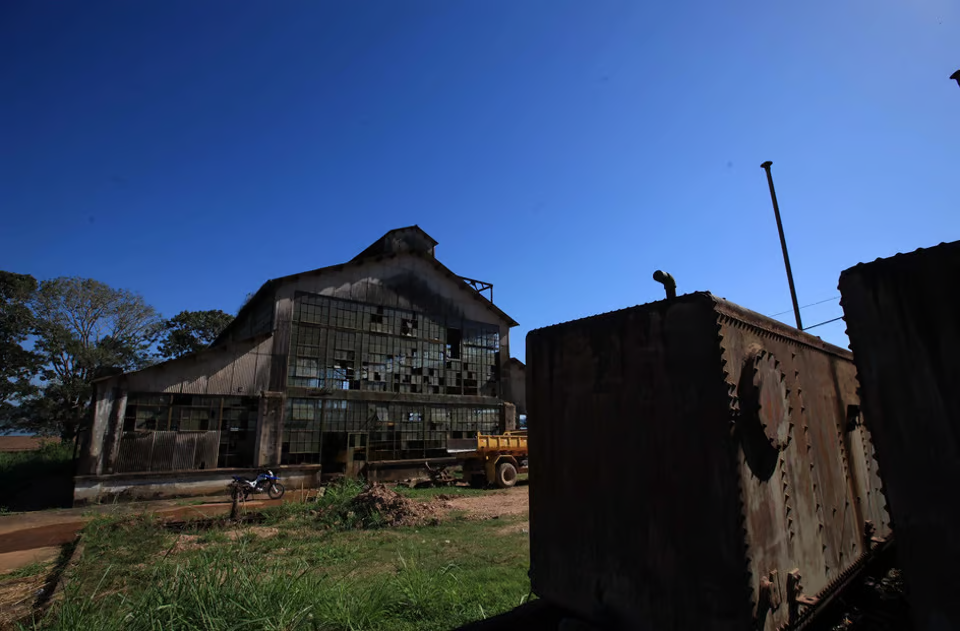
(904, 326)
(237, 369)
(167, 451)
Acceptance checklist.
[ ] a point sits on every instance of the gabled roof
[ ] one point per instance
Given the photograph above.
(370, 254)
(412, 233)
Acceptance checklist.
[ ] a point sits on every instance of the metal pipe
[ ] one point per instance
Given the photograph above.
(783, 243)
(669, 284)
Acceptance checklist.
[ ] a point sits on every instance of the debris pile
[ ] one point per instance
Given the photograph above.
(878, 605)
(392, 508)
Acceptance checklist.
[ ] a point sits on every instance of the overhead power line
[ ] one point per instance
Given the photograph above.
(812, 304)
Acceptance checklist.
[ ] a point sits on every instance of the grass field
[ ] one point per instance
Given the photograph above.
(307, 566)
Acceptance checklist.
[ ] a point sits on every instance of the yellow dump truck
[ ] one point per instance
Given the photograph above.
(493, 458)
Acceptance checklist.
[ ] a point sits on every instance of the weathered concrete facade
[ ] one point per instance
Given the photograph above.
(381, 358)
(904, 326)
(707, 451)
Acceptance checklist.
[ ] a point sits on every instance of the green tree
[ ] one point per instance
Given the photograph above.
(191, 331)
(18, 365)
(85, 329)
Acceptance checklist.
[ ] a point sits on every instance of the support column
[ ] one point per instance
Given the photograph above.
(91, 460)
(270, 419)
(508, 417)
(111, 445)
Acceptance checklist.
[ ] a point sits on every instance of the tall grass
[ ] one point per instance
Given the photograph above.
(311, 566)
(228, 589)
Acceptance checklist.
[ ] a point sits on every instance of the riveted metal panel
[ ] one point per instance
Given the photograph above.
(806, 479)
(904, 327)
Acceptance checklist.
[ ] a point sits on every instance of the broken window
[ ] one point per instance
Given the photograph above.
(453, 343)
(147, 412)
(399, 350)
(408, 327)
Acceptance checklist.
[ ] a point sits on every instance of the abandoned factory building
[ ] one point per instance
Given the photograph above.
(369, 366)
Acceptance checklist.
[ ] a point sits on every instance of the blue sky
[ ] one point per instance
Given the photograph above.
(563, 150)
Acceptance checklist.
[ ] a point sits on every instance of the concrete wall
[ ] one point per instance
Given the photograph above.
(165, 485)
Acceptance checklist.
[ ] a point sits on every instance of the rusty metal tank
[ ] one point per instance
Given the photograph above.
(695, 465)
(903, 320)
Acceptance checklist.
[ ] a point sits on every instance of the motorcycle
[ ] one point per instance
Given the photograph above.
(241, 487)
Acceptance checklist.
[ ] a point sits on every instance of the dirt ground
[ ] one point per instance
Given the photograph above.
(27, 531)
(15, 560)
(515, 501)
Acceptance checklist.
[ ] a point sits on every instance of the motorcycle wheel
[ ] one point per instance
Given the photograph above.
(275, 491)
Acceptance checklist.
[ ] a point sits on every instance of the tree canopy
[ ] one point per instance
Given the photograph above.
(191, 331)
(59, 335)
(18, 365)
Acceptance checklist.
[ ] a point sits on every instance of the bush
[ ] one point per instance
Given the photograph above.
(40, 478)
(53, 457)
(332, 509)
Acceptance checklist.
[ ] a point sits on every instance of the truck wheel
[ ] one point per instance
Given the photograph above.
(506, 475)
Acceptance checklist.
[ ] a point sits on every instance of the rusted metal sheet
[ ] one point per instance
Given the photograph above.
(706, 453)
(904, 328)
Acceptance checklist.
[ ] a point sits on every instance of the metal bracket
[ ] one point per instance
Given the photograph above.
(795, 595)
(869, 530)
(479, 286)
(770, 591)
